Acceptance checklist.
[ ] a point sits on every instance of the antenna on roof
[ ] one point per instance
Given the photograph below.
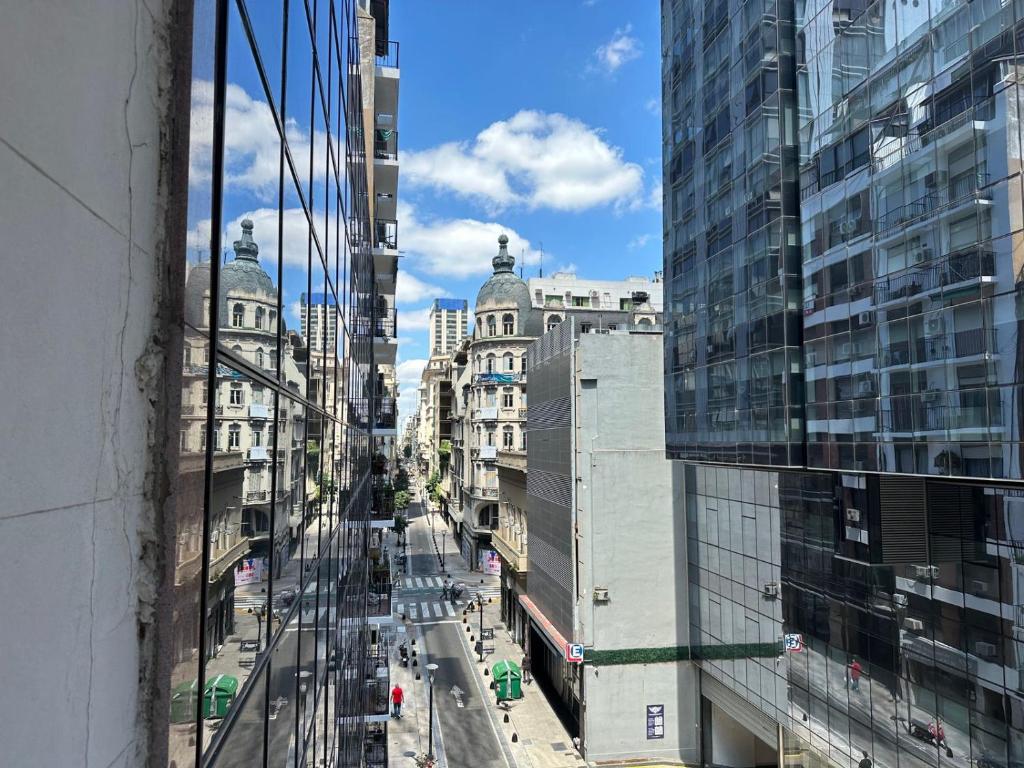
(522, 261)
(541, 259)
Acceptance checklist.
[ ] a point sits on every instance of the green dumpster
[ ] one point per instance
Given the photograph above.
(508, 680)
(219, 695)
(184, 702)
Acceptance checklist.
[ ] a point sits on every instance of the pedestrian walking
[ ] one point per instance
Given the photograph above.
(855, 670)
(865, 761)
(526, 669)
(397, 697)
(445, 589)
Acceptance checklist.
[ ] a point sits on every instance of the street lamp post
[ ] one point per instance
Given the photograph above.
(444, 535)
(480, 599)
(431, 669)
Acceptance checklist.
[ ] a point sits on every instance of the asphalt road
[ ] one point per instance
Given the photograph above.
(467, 734)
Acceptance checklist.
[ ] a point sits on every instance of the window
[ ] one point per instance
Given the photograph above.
(586, 327)
(553, 320)
(507, 398)
(510, 362)
(492, 326)
(259, 353)
(507, 438)
(257, 437)
(524, 362)
(490, 437)
(184, 441)
(479, 364)
(522, 440)
(259, 317)
(206, 392)
(237, 315)
(581, 301)
(236, 394)
(490, 363)
(273, 320)
(188, 354)
(216, 439)
(234, 437)
(202, 439)
(256, 480)
(508, 325)
(491, 398)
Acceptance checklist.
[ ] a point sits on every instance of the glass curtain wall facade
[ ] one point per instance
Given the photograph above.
(271, 570)
(890, 550)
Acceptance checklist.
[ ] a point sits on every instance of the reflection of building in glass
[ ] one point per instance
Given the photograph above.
(846, 176)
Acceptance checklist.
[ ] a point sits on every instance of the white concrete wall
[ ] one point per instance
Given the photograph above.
(82, 106)
(734, 746)
(615, 714)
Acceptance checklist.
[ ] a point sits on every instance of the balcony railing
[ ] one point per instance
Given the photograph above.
(378, 599)
(259, 411)
(390, 57)
(385, 144)
(969, 264)
(958, 190)
(946, 346)
(387, 413)
(486, 452)
(385, 323)
(260, 453)
(940, 411)
(386, 234)
(257, 495)
(382, 503)
(359, 411)
(946, 121)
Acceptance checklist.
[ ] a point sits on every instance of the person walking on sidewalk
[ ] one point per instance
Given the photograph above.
(855, 670)
(445, 587)
(397, 697)
(526, 669)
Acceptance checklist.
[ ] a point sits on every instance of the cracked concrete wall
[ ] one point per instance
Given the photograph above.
(90, 137)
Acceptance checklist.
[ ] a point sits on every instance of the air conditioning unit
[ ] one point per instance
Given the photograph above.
(771, 590)
(866, 387)
(924, 572)
(979, 587)
(866, 318)
(985, 650)
(853, 515)
(601, 594)
(900, 599)
(919, 255)
(933, 326)
(914, 625)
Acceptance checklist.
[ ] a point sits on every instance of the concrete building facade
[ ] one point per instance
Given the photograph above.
(448, 325)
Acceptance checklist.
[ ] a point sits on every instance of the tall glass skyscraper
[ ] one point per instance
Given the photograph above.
(843, 239)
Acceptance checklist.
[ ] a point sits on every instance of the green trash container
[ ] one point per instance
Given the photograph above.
(508, 680)
(219, 695)
(185, 701)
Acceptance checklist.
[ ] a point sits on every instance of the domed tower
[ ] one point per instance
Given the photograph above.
(506, 324)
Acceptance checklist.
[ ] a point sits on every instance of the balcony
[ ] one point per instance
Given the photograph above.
(483, 493)
(951, 121)
(259, 453)
(389, 57)
(385, 235)
(486, 414)
(257, 496)
(225, 554)
(385, 333)
(503, 541)
(378, 598)
(486, 452)
(386, 415)
(259, 411)
(382, 507)
(385, 144)
(959, 345)
(943, 412)
(377, 679)
(512, 459)
(962, 266)
(962, 189)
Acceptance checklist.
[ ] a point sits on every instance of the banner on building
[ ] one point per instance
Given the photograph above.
(655, 721)
(249, 571)
(490, 563)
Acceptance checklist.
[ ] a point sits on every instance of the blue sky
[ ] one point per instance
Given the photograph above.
(537, 118)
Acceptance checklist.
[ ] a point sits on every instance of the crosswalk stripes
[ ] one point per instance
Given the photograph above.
(426, 610)
(448, 608)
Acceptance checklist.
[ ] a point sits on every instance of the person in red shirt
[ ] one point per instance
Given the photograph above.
(855, 670)
(397, 697)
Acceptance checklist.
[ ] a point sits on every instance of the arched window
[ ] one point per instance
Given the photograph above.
(510, 362)
(524, 362)
(273, 319)
(508, 325)
(490, 363)
(507, 438)
(492, 326)
(259, 350)
(234, 437)
(237, 315)
(553, 320)
(479, 364)
(644, 321)
(490, 437)
(259, 317)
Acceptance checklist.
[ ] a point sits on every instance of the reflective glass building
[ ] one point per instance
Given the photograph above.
(281, 599)
(852, 433)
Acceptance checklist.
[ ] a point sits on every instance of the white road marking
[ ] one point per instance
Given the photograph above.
(437, 610)
(425, 607)
(448, 608)
(416, 582)
(412, 611)
(399, 607)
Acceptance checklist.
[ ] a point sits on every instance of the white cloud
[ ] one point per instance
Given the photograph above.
(638, 242)
(570, 268)
(458, 248)
(251, 142)
(623, 47)
(408, 373)
(413, 319)
(411, 289)
(264, 232)
(534, 159)
(653, 105)
(654, 197)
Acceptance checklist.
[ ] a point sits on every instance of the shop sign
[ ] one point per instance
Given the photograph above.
(655, 721)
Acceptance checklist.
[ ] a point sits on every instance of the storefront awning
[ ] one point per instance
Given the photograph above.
(547, 628)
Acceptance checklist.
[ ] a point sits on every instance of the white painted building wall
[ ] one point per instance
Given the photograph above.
(84, 132)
